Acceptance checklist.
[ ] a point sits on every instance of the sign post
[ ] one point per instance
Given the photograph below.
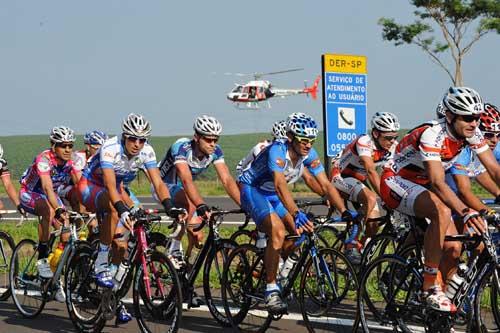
(344, 101)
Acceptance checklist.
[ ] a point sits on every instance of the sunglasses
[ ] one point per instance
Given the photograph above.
(304, 140)
(390, 137)
(470, 118)
(65, 145)
(210, 140)
(491, 135)
(135, 139)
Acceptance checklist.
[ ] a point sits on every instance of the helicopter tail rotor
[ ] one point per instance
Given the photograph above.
(313, 90)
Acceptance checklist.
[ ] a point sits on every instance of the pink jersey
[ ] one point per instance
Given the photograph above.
(46, 164)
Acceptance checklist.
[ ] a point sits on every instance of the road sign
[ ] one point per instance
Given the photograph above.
(344, 100)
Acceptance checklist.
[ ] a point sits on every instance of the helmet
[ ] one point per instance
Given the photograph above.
(301, 124)
(490, 119)
(1, 152)
(440, 110)
(206, 125)
(136, 125)
(61, 134)
(463, 101)
(95, 138)
(279, 129)
(385, 122)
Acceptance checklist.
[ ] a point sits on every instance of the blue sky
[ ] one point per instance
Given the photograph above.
(87, 64)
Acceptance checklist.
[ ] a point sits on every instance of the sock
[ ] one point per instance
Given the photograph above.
(271, 287)
(175, 246)
(101, 263)
(43, 250)
(431, 276)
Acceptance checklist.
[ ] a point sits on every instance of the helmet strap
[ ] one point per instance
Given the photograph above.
(375, 138)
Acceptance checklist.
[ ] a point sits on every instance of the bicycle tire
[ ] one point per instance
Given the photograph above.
(222, 251)
(7, 246)
(487, 283)
(243, 237)
(20, 290)
(162, 310)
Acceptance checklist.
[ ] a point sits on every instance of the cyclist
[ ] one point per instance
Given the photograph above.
(414, 183)
(357, 164)
(101, 191)
(468, 165)
(7, 183)
(265, 194)
(184, 161)
(51, 168)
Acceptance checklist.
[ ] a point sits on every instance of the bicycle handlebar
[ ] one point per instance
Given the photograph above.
(215, 213)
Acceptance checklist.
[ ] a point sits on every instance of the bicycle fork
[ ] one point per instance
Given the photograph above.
(321, 266)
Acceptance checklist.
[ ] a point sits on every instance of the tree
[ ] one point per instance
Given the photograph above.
(462, 23)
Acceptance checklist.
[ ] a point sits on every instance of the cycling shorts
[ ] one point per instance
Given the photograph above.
(399, 193)
(349, 186)
(88, 194)
(28, 200)
(260, 204)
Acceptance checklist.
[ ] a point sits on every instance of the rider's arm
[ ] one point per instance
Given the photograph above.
(435, 173)
(465, 192)
(47, 188)
(331, 192)
(281, 186)
(158, 184)
(490, 163)
(371, 171)
(228, 181)
(10, 189)
(312, 183)
(109, 178)
(184, 174)
(484, 179)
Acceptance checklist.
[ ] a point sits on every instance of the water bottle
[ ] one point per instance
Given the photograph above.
(56, 256)
(261, 242)
(456, 281)
(121, 272)
(287, 266)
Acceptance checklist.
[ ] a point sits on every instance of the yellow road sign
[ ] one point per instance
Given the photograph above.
(344, 63)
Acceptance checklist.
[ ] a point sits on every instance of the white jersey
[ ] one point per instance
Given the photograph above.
(246, 162)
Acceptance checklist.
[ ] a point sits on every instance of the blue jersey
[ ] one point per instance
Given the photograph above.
(182, 152)
(112, 155)
(275, 157)
(496, 152)
(466, 164)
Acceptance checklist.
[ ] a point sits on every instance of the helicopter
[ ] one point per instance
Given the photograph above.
(252, 93)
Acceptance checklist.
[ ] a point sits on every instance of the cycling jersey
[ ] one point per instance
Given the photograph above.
(496, 152)
(349, 164)
(80, 159)
(112, 155)
(275, 157)
(431, 142)
(182, 152)
(245, 163)
(46, 163)
(4, 169)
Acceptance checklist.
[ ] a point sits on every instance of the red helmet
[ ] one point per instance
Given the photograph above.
(490, 119)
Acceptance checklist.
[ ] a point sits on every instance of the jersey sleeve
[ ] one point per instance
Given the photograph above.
(461, 164)
(364, 146)
(43, 164)
(313, 163)
(180, 152)
(218, 155)
(149, 157)
(477, 142)
(277, 158)
(79, 161)
(106, 157)
(430, 145)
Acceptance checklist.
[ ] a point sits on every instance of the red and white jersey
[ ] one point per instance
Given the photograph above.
(431, 142)
(349, 164)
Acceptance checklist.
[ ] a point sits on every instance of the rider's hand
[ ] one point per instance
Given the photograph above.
(473, 221)
(21, 210)
(347, 216)
(60, 214)
(302, 222)
(203, 211)
(126, 220)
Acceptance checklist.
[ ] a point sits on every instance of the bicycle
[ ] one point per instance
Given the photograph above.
(390, 290)
(30, 292)
(7, 246)
(326, 277)
(211, 257)
(156, 289)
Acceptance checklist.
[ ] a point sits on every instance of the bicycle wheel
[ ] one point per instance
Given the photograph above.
(377, 246)
(242, 290)
(243, 236)
(7, 246)
(162, 310)
(327, 280)
(330, 235)
(25, 284)
(83, 297)
(486, 318)
(388, 294)
(212, 279)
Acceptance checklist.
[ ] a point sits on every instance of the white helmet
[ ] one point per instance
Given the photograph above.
(136, 125)
(60, 134)
(208, 126)
(463, 101)
(440, 111)
(385, 122)
(279, 129)
(1, 152)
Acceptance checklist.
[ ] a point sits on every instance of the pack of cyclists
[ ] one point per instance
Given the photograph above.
(426, 174)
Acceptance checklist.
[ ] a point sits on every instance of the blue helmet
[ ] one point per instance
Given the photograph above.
(95, 138)
(300, 124)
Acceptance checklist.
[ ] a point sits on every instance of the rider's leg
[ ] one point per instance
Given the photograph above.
(451, 255)
(368, 201)
(43, 209)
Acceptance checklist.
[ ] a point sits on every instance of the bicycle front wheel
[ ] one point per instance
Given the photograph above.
(25, 284)
(7, 246)
(486, 317)
(161, 310)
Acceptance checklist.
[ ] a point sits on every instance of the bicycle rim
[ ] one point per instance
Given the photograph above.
(6, 250)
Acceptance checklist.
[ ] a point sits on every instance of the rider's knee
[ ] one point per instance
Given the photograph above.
(278, 235)
(453, 249)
